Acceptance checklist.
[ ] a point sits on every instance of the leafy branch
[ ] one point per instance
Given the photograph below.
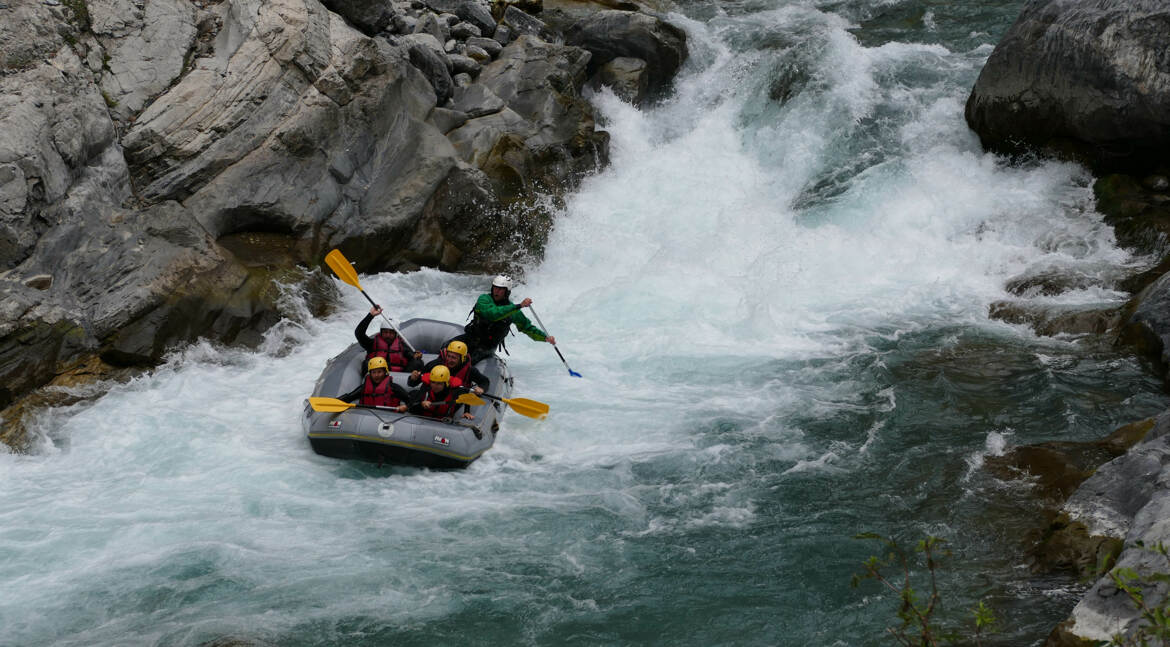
(917, 611)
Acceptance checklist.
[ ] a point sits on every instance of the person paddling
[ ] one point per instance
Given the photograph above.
(492, 319)
(436, 398)
(387, 344)
(455, 357)
(377, 389)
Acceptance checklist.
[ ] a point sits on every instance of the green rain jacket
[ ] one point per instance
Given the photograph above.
(492, 321)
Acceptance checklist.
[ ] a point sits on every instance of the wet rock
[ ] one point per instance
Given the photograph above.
(464, 31)
(479, 55)
(612, 34)
(1057, 471)
(1146, 326)
(447, 120)
(369, 16)
(476, 101)
(626, 76)
(519, 22)
(435, 66)
(1080, 77)
(475, 12)
(1049, 320)
(489, 45)
(1139, 215)
(464, 65)
(1127, 500)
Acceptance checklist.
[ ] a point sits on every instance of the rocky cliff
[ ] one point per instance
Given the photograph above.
(167, 165)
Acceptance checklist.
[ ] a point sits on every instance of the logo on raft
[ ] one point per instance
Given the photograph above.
(334, 425)
(442, 440)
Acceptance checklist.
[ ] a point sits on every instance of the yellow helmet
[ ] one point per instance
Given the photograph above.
(458, 347)
(440, 375)
(377, 362)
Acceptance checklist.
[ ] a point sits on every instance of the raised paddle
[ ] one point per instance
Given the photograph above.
(522, 406)
(333, 405)
(571, 371)
(344, 271)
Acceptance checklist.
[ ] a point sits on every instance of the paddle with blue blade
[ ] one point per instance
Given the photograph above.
(541, 323)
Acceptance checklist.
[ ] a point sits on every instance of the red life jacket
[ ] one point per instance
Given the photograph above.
(445, 406)
(393, 351)
(380, 394)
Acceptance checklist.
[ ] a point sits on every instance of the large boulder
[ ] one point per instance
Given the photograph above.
(1147, 322)
(612, 33)
(542, 138)
(1090, 78)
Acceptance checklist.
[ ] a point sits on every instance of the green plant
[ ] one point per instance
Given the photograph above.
(80, 10)
(919, 626)
(1154, 627)
(110, 101)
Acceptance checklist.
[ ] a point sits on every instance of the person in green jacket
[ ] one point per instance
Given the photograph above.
(492, 319)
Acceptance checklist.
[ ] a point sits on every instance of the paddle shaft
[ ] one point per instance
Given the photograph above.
(542, 327)
(344, 271)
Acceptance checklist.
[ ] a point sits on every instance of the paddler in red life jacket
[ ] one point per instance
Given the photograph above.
(455, 358)
(436, 397)
(377, 389)
(387, 344)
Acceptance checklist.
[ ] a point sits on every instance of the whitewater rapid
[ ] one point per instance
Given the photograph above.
(777, 294)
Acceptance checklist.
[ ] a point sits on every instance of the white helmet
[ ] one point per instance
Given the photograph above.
(502, 281)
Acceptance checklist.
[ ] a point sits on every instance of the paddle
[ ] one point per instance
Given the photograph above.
(522, 406)
(333, 405)
(344, 271)
(571, 371)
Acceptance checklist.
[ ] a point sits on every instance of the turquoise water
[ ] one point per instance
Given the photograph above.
(778, 297)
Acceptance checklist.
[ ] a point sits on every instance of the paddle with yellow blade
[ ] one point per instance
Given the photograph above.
(522, 406)
(333, 405)
(344, 271)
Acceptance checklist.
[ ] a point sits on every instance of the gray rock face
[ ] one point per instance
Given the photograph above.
(1088, 75)
(520, 22)
(1127, 498)
(611, 34)
(30, 32)
(55, 133)
(143, 46)
(544, 140)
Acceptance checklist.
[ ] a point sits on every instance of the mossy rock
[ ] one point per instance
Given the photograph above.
(1140, 217)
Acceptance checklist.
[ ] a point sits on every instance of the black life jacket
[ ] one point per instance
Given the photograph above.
(393, 351)
(380, 394)
(488, 335)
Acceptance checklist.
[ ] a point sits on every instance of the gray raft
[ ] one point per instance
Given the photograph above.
(386, 436)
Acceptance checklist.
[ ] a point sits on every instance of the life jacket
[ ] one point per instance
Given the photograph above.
(488, 335)
(380, 394)
(445, 407)
(393, 351)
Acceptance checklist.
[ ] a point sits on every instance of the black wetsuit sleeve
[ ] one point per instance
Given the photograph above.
(478, 378)
(416, 399)
(360, 333)
(400, 392)
(413, 363)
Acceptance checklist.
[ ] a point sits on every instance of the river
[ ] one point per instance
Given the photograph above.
(778, 297)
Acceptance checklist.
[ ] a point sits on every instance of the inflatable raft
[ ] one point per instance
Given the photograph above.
(386, 436)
